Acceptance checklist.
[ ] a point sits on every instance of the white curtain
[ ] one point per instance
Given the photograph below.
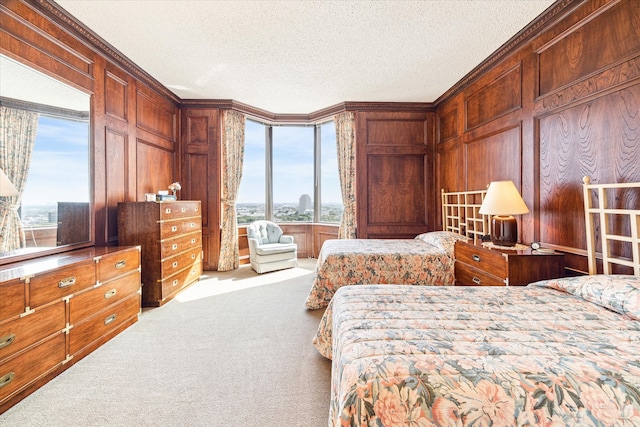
(346, 142)
(232, 156)
(17, 138)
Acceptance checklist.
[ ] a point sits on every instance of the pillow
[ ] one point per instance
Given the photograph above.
(617, 292)
(444, 240)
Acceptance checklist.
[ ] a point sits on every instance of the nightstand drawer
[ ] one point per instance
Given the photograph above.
(469, 276)
(482, 259)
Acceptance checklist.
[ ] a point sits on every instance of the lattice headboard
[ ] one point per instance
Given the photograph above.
(598, 209)
(460, 213)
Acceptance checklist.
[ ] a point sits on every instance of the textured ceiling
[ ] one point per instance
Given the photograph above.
(303, 56)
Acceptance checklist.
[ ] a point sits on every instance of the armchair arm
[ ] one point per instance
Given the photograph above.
(253, 244)
(285, 239)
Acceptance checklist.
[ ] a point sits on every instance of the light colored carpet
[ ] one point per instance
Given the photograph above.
(232, 350)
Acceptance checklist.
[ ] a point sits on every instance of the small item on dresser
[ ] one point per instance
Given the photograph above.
(165, 198)
(150, 197)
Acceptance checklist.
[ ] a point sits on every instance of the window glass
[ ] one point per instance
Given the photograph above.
(331, 206)
(293, 168)
(250, 204)
(60, 145)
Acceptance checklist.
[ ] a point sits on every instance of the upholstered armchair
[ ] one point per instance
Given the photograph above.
(269, 249)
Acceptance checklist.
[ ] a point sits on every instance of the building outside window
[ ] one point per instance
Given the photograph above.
(290, 174)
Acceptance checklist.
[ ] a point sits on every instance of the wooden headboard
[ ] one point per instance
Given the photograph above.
(460, 213)
(598, 210)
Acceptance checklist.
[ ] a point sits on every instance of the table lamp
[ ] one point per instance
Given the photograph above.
(6, 186)
(502, 201)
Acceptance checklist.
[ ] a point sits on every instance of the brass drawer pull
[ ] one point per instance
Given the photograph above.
(174, 228)
(121, 264)
(193, 256)
(167, 210)
(7, 340)
(6, 379)
(193, 225)
(174, 246)
(475, 257)
(109, 319)
(193, 240)
(476, 280)
(65, 283)
(183, 209)
(175, 282)
(110, 293)
(175, 264)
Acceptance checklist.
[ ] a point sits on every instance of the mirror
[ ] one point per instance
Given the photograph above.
(44, 157)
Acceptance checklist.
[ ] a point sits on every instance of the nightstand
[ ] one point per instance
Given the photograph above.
(477, 265)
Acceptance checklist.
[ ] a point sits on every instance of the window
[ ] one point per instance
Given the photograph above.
(292, 172)
(288, 172)
(331, 206)
(250, 204)
(61, 144)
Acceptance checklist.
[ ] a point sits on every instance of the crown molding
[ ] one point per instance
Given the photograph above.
(547, 18)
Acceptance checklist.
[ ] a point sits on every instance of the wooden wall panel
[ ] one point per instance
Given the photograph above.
(154, 169)
(115, 97)
(200, 159)
(447, 125)
(590, 46)
(394, 169)
(116, 179)
(398, 198)
(302, 236)
(496, 157)
(156, 115)
(494, 100)
(574, 143)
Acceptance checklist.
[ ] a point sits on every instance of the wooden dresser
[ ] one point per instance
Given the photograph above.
(57, 309)
(170, 234)
(477, 265)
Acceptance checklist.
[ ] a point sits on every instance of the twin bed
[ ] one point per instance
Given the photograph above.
(425, 260)
(557, 352)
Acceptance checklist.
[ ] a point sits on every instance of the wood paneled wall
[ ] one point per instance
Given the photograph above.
(564, 105)
(135, 127)
(394, 174)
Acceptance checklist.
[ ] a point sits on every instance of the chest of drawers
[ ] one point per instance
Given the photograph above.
(477, 265)
(56, 309)
(170, 234)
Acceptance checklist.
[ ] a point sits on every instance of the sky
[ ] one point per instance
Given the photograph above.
(59, 170)
(292, 164)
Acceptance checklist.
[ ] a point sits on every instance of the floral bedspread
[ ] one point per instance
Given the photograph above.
(474, 356)
(361, 261)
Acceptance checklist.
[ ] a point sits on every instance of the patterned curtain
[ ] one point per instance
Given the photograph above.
(346, 141)
(232, 154)
(17, 138)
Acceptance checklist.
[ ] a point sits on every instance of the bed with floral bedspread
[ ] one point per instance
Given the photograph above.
(561, 352)
(426, 259)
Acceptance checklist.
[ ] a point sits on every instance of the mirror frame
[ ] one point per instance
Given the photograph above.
(34, 253)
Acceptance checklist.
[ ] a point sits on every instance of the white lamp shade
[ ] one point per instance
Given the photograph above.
(6, 186)
(503, 198)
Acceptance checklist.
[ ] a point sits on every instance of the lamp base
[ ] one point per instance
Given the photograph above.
(504, 230)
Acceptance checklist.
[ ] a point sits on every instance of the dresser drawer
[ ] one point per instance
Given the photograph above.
(12, 299)
(102, 323)
(482, 259)
(61, 283)
(117, 264)
(170, 266)
(170, 229)
(469, 276)
(25, 331)
(21, 370)
(182, 279)
(174, 246)
(87, 303)
(174, 210)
